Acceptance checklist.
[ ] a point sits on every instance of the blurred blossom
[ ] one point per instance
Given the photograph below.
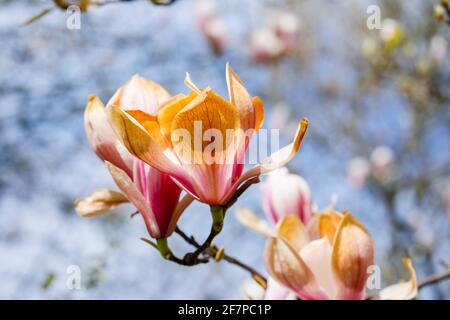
(369, 47)
(333, 266)
(280, 118)
(358, 171)
(205, 10)
(214, 175)
(382, 159)
(214, 29)
(265, 45)
(446, 196)
(216, 32)
(391, 33)
(284, 194)
(287, 27)
(438, 49)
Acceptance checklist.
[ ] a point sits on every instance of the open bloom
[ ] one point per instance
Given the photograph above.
(154, 194)
(284, 194)
(173, 140)
(334, 266)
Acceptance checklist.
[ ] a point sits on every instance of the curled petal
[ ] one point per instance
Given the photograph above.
(100, 202)
(328, 224)
(134, 195)
(101, 136)
(251, 111)
(404, 290)
(274, 161)
(289, 269)
(140, 93)
(249, 219)
(352, 254)
(292, 230)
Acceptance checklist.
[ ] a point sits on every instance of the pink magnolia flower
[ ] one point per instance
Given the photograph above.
(334, 266)
(173, 141)
(284, 194)
(154, 194)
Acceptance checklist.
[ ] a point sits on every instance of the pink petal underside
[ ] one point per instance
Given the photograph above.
(134, 195)
(102, 138)
(163, 194)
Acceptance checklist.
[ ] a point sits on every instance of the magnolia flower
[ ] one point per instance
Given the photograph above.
(284, 194)
(154, 194)
(287, 27)
(173, 140)
(334, 266)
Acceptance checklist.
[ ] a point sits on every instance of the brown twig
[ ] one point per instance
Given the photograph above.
(213, 251)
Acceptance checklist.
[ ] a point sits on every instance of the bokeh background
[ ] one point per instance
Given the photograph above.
(379, 139)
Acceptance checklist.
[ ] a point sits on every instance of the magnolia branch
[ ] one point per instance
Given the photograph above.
(202, 252)
(218, 254)
(433, 279)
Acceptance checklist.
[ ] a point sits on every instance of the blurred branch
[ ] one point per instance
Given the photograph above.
(84, 5)
(433, 279)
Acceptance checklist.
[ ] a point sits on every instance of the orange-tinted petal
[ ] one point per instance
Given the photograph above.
(291, 229)
(240, 98)
(353, 253)
(169, 110)
(328, 223)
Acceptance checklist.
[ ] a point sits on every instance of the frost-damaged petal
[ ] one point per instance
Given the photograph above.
(133, 194)
(100, 202)
(404, 290)
(275, 161)
(289, 269)
(101, 136)
(328, 224)
(292, 230)
(139, 93)
(249, 219)
(251, 111)
(352, 254)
